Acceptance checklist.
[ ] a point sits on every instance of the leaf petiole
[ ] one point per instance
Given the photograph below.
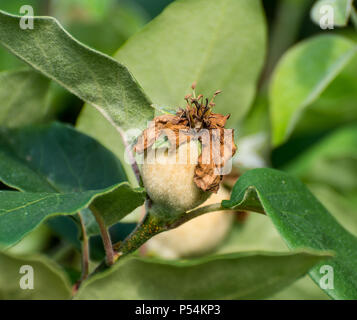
(107, 242)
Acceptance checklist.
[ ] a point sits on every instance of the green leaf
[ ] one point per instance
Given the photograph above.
(92, 76)
(7, 60)
(302, 222)
(166, 65)
(22, 98)
(14, 6)
(116, 205)
(50, 283)
(342, 208)
(55, 158)
(341, 11)
(231, 276)
(332, 161)
(256, 232)
(22, 212)
(87, 21)
(323, 115)
(303, 289)
(33, 243)
(219, 44)
(92, 123)
(82, 9)
(301, 76)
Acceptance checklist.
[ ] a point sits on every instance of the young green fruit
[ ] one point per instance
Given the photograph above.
(170, 183)
(176, 184)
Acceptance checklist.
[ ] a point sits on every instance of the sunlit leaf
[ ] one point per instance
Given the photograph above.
(302, 221)
(302, 75)
(91, 75)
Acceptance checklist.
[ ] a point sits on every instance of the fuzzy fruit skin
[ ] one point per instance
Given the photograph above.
(170, 185)
(197, 236)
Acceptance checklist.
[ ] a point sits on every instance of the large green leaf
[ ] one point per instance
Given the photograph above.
(49, 281)
(219, 44)
(302, 75)
(55, 158)
(231, 276)
(22, 212)
(257, 232)
(302, 222)
(22, 98)
(92, 76)
(341, 11)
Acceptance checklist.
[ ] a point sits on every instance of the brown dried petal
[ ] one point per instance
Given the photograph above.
(159, 126)
(217, 120)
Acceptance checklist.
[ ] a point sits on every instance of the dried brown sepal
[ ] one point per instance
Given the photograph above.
(196, 116)
(170, 125)
(207, 175)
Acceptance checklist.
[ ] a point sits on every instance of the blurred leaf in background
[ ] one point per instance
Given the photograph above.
(48, 276)
(230, 276)
(102, 24)
(335, 107)
(23, 98)
(301, 76)
(178, 50)
(329, 167)
(341, 10)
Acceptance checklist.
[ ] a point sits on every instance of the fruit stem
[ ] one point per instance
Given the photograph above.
(145, 230)
(151, 226)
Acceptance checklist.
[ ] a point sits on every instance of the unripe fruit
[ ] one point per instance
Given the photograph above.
(197, 236)
(170, 183)
(177, 184)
